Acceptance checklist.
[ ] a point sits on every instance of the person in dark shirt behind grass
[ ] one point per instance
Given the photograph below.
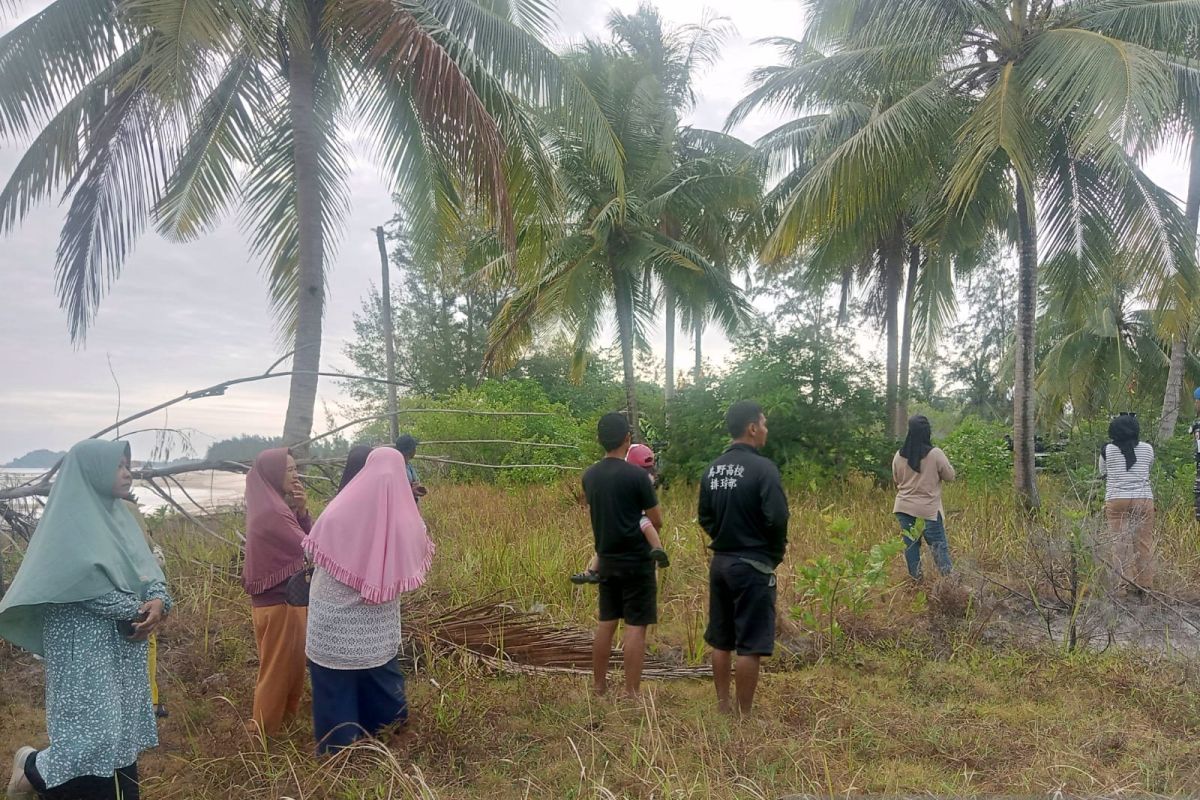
(745, 512)
(618, 494)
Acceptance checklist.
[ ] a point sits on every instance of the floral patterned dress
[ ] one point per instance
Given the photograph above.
(98, 710)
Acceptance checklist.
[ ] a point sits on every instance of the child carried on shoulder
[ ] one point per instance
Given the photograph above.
(640, 456)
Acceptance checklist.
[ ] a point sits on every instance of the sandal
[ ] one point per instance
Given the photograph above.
(587, 576)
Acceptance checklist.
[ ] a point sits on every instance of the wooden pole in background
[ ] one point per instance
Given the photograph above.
(388, 340)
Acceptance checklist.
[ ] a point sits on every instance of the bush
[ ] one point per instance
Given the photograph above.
(841, 582)
(470, 438)
(824, 416)
(979, 454)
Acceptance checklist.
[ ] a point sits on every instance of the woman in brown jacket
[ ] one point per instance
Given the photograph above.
(919, 470)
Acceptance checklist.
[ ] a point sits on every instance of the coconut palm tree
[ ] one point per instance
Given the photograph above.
(1052, 96)
(1100, 343)
(621, 236)
(675, 56)
(898, 249)
(171, 112)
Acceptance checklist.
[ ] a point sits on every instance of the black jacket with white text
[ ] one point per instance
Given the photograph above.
(743, 507)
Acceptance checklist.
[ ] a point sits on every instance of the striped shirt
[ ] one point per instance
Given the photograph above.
(1122, 483)
(344, 631)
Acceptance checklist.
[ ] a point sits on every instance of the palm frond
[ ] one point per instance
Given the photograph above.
(222, 136)
(269, 213)
(115, 184)
(999, 124)
(451, 113)
(1096, 86)
(50, 57)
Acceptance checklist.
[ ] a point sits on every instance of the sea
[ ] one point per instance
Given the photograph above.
(204, 491)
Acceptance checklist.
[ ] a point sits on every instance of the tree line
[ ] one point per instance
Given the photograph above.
(924, 142)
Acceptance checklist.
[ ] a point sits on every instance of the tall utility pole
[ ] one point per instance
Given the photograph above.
(389, 344)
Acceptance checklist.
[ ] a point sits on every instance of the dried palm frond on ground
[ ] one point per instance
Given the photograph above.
(520, 641)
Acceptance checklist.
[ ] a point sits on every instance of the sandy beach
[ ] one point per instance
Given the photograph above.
(203, 491)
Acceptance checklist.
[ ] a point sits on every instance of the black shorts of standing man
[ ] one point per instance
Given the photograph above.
(618, 494)
(744, 510)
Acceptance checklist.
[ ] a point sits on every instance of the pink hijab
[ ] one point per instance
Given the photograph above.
(273, 535)
(371, 536)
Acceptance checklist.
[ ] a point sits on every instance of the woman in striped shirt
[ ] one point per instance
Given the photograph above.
(1129, 502)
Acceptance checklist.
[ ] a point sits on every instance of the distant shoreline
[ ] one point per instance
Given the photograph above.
(211, 490)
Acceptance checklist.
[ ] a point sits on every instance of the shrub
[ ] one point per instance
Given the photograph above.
(824, 416)
(978, 452)
(464, 437)
(841, 581)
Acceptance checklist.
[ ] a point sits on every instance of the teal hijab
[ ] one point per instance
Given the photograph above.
(86, 545)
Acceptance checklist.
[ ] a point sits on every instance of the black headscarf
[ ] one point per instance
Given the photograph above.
(1125, 432)
(918, 442)
(356, 459)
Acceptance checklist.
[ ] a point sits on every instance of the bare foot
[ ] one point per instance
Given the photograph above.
(723, 707)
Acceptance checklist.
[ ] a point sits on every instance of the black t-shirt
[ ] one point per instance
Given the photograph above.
(617, 493)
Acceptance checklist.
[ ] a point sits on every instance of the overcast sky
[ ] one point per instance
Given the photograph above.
(185, 316)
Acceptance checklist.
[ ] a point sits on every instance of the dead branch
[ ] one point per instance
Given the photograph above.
(444, 460)
(216, 390)
(500, 441)
(166, 496)
(375, 417)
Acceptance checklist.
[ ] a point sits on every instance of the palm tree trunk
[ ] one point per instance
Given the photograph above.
(1171, 396)
(910, 292)
(843, 315)
(669, 383)
(891, 266)
(623, 300)
(698, 370)
(1024, 420)
(306, 147)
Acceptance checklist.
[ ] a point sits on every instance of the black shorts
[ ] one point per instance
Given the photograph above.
(741, 607)
(628, 592)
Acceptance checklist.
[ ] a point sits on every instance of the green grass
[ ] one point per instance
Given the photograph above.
(909, 704)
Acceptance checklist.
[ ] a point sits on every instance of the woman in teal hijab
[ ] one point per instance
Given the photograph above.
(88, 594)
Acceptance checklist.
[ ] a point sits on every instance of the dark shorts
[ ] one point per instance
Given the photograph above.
(741, 607)
(628, 592)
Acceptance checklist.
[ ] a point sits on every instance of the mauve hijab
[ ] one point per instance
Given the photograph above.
(273, 534)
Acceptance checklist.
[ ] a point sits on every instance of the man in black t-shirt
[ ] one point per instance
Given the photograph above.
(618, 494)
(745, 512)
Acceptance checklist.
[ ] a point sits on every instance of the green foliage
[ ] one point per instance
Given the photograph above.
(441, 312)
(978, 452)
(841, 581)
(823, 413)
(471, 438)
(244, 448)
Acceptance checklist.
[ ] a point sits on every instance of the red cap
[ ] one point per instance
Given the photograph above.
(641, 456)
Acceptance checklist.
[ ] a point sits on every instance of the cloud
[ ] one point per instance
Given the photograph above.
(186, 316)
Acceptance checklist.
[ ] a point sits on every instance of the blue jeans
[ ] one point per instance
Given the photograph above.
(934, 536)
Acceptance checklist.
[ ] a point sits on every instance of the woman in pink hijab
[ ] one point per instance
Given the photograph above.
(368, 546)
(276, 522)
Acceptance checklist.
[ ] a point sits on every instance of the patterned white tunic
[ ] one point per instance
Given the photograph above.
(344, 631)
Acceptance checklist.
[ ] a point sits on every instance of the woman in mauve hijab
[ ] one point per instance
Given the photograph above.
(277, 521)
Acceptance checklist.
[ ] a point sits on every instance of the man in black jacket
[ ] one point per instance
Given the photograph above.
(745, 512)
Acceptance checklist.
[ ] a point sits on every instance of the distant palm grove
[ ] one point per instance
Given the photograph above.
(963, 181)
